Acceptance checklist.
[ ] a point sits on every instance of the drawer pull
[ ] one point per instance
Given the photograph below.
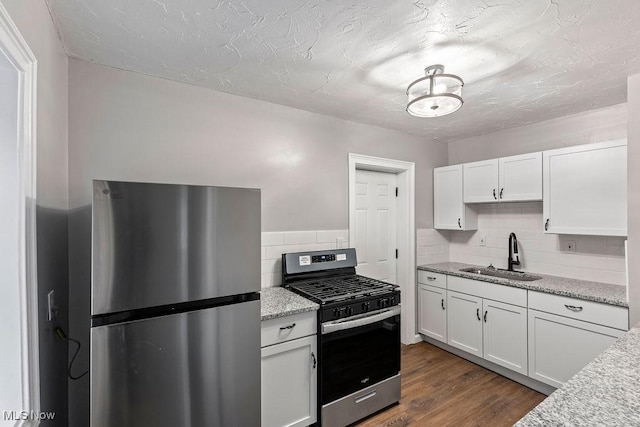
(430, 278)
(284, 328)
(366, 396)
(573, 308)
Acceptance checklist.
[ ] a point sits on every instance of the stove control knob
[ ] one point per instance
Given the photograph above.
(336, 313)
(365, 306)
(349, 311)
(392, 300)
(383, 302)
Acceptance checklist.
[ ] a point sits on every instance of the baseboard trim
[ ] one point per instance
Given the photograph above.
(515, 376)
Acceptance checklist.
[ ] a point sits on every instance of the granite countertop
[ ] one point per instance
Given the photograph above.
(279, 302)
(591, 291)
(603, 393)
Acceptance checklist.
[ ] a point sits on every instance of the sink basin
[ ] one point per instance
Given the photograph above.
(503, 274)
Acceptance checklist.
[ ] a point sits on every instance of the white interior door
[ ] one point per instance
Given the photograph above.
(375, 224)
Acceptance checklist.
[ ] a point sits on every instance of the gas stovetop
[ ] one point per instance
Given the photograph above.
(344, 288)
(329, 278)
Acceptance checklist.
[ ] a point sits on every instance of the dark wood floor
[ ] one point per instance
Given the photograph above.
(441, 389)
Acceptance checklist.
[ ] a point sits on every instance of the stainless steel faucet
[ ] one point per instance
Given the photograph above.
(513, 250)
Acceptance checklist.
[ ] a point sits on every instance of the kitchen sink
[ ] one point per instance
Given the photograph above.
(503, 274)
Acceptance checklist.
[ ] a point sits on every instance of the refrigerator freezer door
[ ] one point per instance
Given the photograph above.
(200, 368)
(158, 244)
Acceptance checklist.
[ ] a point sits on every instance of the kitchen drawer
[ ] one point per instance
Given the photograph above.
(288, 328)
(492, 291)
(588, 311)
(432, 279)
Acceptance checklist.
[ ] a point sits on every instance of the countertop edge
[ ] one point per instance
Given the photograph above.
(286, 313)
(279, 302)
(531, 286)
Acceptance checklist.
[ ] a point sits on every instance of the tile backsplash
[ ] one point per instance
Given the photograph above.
(596, 258)
(432, 246)
(276, 243)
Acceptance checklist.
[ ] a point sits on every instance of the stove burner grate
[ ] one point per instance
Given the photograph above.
(342, 288)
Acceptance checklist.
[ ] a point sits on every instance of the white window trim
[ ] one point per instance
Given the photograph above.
(15, 48)
(406, 264)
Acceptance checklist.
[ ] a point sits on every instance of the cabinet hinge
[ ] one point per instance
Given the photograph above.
(396, 191)
(396, 254)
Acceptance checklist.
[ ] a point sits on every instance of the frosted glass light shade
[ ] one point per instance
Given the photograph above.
(436, 94)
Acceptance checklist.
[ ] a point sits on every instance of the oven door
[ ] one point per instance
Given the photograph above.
(359, 352)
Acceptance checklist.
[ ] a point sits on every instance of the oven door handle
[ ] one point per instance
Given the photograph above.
(330, 327)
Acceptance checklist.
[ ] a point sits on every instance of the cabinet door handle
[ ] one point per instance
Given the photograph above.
(442, 303)
(313, 357)
(485, 316)
(546, 225)
(501, 190)
(574, 308)
(284, 328)
(478, 313)
(494, 194)
(459, 224)
(431, 278)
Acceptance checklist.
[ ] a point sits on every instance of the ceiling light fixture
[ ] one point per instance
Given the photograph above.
(435, 95)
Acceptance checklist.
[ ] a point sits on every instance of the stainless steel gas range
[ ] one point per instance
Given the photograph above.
(358, 333)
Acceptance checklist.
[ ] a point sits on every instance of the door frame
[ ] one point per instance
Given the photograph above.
(15, 48)
(405, 231)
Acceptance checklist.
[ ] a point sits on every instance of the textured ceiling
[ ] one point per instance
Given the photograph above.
(522, 61)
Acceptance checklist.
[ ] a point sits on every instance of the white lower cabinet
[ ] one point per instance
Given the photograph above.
(489, 329)
(432, 312)
(289, 379)
(464, 322)
(544, 336)
(559, 347)
(505, 335)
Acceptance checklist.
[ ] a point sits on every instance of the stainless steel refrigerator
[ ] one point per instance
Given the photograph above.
(175, 309)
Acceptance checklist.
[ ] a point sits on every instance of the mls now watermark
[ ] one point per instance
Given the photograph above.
(27, 415)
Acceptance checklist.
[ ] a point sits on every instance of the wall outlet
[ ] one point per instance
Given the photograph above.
(50, 305)
(569, 246)
(339, 243)
(483, 241)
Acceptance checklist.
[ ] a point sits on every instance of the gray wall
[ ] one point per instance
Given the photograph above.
(129, 126)
(33, 20)
(134, 127)
(603, 124)
(633, 198)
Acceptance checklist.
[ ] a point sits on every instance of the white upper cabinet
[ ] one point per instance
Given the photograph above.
(507, 179)
(520, 177)
(449, 210)
(481, 181)
(585, 189)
